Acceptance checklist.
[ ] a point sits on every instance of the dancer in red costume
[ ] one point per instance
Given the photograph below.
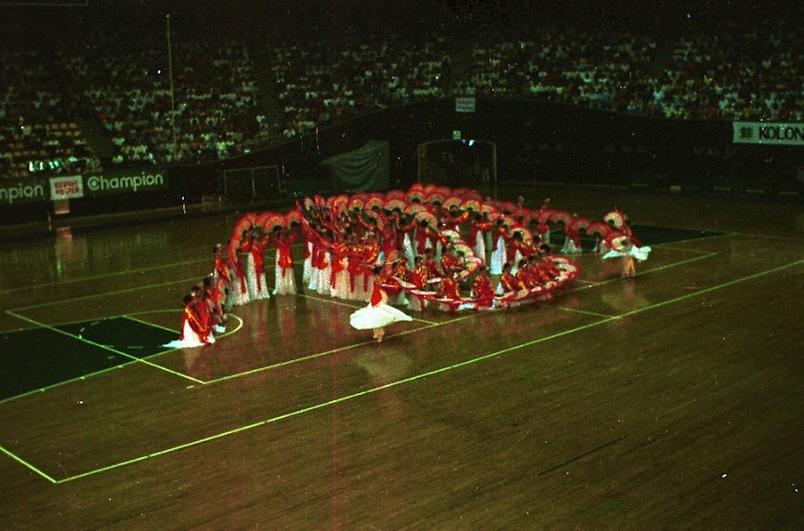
(194, 331)
(482, 291)
(378, 314)
(284, 277)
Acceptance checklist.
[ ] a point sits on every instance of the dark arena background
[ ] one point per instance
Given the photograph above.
(135, 134)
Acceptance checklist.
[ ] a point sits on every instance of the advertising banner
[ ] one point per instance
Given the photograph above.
(66, 187)
(464, 105)
(14, 191)
(768, 133)
(117, 182)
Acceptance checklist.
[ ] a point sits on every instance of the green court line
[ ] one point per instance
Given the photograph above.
(586, 312)
(116, 292)
(29, 328)
(27, 465)
(427, 374)
(714, 288)
(119, 366)
(335, 401)
(104, 294)
(647, 271)
(305, 358)
(150, 324)
(104, 347)
(71, 380)
(680, 249)
(339, 349)
(105, 275)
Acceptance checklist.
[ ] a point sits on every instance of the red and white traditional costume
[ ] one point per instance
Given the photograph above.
(284, 276)
(378, 313)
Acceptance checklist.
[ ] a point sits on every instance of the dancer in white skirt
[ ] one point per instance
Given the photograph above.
(284, 277)
(498, 253)
(378, 314)
(195, 332)
(622, 247)
(255, 270)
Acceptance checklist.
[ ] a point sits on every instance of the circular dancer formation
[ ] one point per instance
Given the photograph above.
(429, 246)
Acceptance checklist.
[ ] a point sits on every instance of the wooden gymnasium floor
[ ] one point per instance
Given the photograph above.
(672, 400)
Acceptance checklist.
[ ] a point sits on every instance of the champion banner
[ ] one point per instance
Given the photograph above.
(768, 133)
(122, 181)
(23, 190)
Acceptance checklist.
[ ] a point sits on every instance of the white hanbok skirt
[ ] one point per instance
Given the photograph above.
(308, 265)
(191, 339)
(407, 250)
(322, 282)
(498, 258)
(255, 291)
(480, 246)
(377, 317)
(640, 253)
(284, 284)
(569, 247)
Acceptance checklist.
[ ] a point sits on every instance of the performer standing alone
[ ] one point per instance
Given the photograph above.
(378, 314)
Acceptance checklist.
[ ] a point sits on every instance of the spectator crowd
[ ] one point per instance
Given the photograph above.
(217, 109)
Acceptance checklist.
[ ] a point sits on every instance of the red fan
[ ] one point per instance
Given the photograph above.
(527, 237)
(464, 193)
(614, 218)
(452, 201)
(262, 218)
(435, 198)
(428, 218)
(245, 222)
(414, 209)
(395, 204)
(508, 221)
(543, 215)
(274, 222)
(374, 202)
(471, 205)
(488, 209)
(507, 208)
(446, 191)
(415, 186)
(561, 216)
(415, 196)
(598, 228)
(396, 194)
(429, 189)
(293, 218)
(319, 200)
(356, 203)
(463, 249)
(581, 223)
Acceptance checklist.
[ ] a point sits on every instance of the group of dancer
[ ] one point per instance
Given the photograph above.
(428, 246)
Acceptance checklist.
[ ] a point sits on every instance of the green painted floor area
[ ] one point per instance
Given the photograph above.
(31, 360)
(131, 337)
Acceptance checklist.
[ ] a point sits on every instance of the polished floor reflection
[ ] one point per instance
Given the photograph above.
(673, 397)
